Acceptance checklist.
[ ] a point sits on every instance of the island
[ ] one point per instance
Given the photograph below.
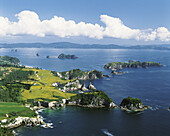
(25, 90)
(117, 66)
(131, 64)
(63, 56)
(132, 105)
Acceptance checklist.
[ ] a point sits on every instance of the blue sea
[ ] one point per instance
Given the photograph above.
(151, 85)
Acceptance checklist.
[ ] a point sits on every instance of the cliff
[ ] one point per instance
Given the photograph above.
(132, 104)
(19, 121)
(69, 86)
(78, 74)
(130, 64)
(95, 99)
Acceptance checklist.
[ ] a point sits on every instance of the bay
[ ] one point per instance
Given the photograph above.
(151, 85)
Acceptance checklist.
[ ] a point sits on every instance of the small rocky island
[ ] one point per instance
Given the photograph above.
(117, 66)
(63, 56)
(37, 54)
(132, 104)
(131, 64)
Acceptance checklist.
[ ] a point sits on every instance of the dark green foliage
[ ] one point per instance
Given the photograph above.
(7, 61)
(93, 97)
(79, 74)
(1, 73)
(13, 60)
(6, 132)
(11, 86)
(73, 74)
(131, 64)
(17, 76)
(130, 100)
(95, 72)
(76, 73)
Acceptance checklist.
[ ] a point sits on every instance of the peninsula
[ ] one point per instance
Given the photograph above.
(24, 90)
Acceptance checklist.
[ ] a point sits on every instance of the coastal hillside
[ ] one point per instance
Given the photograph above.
(26, 86)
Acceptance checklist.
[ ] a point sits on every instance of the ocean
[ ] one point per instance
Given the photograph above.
(151, 85)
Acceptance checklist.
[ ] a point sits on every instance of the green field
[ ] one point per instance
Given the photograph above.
(14, 109)
(22, 85)
(42, 86)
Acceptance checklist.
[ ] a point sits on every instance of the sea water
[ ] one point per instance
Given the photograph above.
(151, 85)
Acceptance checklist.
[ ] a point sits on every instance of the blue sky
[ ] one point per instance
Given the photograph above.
(138, 15)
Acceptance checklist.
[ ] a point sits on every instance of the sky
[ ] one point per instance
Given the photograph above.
(122, 22)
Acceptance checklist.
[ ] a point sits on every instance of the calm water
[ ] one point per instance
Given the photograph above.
(152, 85)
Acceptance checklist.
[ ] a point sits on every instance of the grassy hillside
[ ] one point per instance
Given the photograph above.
(26, 84)
(14, 109)
(30, 83)
(42, 87)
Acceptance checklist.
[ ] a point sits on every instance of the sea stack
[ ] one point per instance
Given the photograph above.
(91, 87)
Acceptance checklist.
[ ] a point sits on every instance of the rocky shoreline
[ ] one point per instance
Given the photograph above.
(96, 102)
(26, 121)
(116, 67)
(92, 98)
(132, 105)
(79, 74)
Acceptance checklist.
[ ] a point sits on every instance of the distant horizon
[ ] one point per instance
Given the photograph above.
(83, 44)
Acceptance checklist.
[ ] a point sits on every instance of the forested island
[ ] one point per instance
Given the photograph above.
(132, 104)
(116, 67)
(25, 90)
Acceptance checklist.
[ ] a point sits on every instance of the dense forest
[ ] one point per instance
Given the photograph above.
(11, 86)
(7, 61)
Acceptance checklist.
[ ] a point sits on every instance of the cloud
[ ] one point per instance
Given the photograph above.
(29, 24)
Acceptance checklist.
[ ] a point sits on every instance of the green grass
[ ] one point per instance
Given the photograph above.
(43, 88)
(18, 109)
(40, 84)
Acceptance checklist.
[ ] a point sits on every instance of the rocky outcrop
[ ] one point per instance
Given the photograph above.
(94, 99)
(131, 64)
(63, 56)
(114, 72)
(26, 121)
(78, 74)
(44, 104)
(132, 104)
(91, 87)
(69, 86)
(83, 87)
